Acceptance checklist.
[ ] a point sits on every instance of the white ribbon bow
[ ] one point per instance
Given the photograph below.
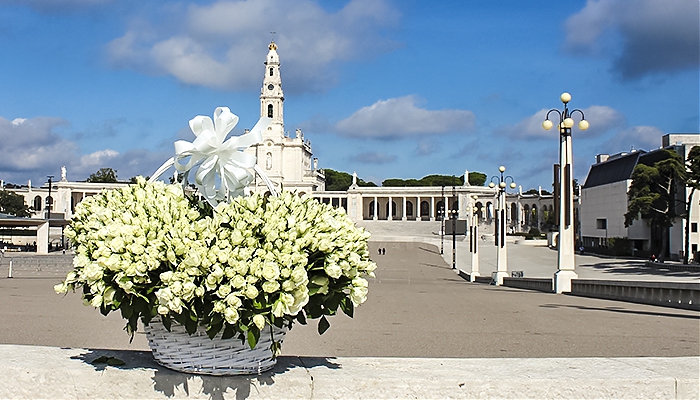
(211, 158)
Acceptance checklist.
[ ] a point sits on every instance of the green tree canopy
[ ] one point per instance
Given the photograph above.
(104, 175)
(475, 178)
(692, 181)
(13, 204)
(341, 181)
(652, 194)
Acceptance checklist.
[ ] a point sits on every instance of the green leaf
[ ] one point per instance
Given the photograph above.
(323, 325)
(347, 306)
(167, 322)
(253, 336)
(191, 326)
(214, 329)
(229, 332)
(301, 318)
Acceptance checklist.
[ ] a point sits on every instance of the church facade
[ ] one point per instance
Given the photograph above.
(288, 161)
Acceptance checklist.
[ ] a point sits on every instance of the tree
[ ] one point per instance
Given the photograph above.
(13, 204)
(475, 178)
(341, 181)
(692, 181)
(104, 175)
(652, 194)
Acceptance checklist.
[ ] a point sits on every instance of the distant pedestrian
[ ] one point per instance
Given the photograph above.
(383, 251)
(379, 251)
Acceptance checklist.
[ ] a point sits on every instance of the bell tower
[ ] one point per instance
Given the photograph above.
(271, 94)
(287, 161)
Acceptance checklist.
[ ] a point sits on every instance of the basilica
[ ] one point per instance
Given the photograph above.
(287, 160)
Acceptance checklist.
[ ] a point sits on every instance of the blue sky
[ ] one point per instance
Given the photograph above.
(386, 88)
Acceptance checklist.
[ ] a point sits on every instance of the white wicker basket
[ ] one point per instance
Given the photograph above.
(198, 354)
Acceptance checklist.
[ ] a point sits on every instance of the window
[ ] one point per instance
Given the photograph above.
(271, 71)
(269, 110)
(37, 203)
(601, 223)
(694, 227)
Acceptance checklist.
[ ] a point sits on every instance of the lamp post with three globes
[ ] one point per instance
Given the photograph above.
(565, 190)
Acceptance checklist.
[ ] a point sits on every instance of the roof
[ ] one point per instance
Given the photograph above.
(614, 170)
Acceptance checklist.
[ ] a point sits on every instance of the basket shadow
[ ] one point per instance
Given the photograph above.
(172, 383)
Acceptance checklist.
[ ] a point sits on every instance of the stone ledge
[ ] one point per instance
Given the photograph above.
(32, 372)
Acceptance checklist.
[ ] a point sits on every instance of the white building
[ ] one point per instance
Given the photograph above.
(286, 160)
(604, 201)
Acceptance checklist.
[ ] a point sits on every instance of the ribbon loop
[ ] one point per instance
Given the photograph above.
(216, 160)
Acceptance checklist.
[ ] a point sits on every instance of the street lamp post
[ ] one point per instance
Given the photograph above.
(441, 215)
(501, 257)
(474, 238)
(565, 253)
(49, 200)
(453, 217)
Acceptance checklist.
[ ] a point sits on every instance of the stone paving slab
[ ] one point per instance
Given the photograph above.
(37, 372)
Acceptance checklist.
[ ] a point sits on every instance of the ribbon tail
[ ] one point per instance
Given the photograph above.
(267, 180)
(169, 163)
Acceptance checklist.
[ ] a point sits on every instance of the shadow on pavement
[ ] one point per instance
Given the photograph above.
(169, 382)
(636, 268)
(623, 310)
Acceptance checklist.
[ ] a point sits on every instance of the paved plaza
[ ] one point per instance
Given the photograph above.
(419, 314)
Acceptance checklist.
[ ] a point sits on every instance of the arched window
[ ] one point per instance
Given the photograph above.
(271, 71)
(535, 221)
(409, 208)
(424, 209)
(513, 212)
(37, 203)
(526, 214)
(439, 209)
(480, 210)
(269, 111)
(371, 209)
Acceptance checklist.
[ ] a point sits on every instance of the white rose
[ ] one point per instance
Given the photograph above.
(231, 315)
(251, 292)
(270, 271)
(333, 270)
(259, 321)
(270, 286)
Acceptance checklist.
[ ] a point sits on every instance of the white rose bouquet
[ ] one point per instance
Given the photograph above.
(150, 251)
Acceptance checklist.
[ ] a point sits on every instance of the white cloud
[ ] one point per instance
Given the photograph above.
(220, 45)
(426, 147)
(400, 117)
(643, 37)
(601, 119)
(638, 137)
(32, 149)
(372, 157)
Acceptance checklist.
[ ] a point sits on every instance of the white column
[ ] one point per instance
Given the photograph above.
(403, 217)
(432, 208)
(42, 238)
(501, 256)
(390, 210)
(474, 246)
(376, 207)
(417, 211)
(565, 254)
